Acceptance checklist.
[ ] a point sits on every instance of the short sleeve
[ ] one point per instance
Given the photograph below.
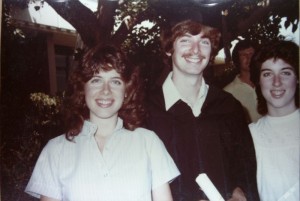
(163, 168)
(44, 179)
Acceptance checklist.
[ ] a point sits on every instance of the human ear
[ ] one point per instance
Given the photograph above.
(168, 54)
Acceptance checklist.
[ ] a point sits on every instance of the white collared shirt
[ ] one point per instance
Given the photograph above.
(171, 95)
(131, 164)
(244, 93)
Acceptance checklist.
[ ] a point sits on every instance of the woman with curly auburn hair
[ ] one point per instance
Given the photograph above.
(75, 108)
(104, 154)
(276, 135)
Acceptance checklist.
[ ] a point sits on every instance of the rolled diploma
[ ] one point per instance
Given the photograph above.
(208, 188)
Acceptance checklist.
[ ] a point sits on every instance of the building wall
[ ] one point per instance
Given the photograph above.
(59, 34)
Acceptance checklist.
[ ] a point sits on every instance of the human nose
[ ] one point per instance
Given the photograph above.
(106, 89)
(276, 80)
(248, 57)
(195, 48)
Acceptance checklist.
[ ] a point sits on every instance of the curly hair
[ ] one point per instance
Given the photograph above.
(168, 37)
(104, 58)
(285, 50)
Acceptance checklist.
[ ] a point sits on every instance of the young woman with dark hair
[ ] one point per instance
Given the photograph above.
(276, 135)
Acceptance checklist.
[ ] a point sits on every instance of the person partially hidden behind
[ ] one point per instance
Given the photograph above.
(104, 155)
(203, 127)
(241, 87)
(276, 135)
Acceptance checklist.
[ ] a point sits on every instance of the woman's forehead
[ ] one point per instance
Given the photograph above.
(102, 72)
(276, 63)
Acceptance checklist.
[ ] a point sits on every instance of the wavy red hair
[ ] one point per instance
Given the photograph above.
(104, 58)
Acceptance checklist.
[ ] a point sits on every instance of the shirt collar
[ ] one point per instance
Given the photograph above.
(171, 95)
(237, 79)
(90, 128)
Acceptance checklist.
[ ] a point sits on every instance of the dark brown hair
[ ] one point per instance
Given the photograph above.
(285, 50)
(104, 58)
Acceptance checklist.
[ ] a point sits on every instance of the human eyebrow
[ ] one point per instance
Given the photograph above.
(96, 76)
(288, 68)
(265, 69)
(117, 77)
(185, 35)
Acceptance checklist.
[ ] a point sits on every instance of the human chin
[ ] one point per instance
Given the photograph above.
(103, 113)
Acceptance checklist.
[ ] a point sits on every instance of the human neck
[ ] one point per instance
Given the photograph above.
(188, 86)
(279, 112)
(105, 126)
(245, 77)
(104, 132)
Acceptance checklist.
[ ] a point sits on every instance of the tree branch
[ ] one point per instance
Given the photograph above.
(80, 17)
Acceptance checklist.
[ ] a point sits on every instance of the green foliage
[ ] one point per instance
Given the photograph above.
(20, 151)
(140, 36)
(265, 31)
(143, 43)
(131, 8)
(268, 27)
(45, 110)
(11, 30)
(144, 37)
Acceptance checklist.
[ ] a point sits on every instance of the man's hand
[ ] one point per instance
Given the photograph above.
(238, 195)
